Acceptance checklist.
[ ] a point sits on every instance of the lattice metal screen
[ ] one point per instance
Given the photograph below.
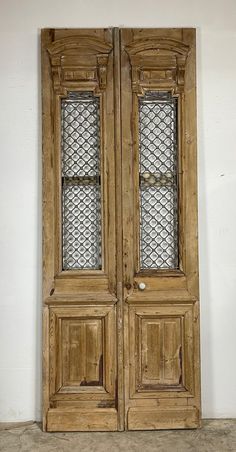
(158, 181)
(81, 194)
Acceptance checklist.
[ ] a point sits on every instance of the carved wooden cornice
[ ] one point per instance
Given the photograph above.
(157, 63)
(79, 60)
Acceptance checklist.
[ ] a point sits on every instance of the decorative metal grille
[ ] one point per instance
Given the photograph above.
(158, 181)
(81, 194)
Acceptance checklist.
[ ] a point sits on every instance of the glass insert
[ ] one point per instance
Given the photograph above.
(158, 181)
(81, 191)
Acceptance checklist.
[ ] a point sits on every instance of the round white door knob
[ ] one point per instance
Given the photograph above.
(142, 286)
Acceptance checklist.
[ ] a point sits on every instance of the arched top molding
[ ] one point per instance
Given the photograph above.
(78, 43)
(171, 45)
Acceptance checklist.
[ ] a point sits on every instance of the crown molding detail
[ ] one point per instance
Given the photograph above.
(79, 59)
(159, 62)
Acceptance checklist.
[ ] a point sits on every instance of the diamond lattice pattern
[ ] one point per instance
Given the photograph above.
(81, 198)
(158, 181)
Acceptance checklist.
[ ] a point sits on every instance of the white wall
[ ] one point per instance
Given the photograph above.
(20, 186)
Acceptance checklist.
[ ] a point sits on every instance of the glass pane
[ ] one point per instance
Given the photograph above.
(81, 194)
(80, 135)
(81, 226)
(158, 181)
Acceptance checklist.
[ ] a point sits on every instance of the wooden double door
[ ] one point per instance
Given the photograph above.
(120, 265)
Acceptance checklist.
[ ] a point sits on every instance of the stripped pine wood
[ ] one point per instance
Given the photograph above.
(80, 365)
(120, 343)
(161, 321)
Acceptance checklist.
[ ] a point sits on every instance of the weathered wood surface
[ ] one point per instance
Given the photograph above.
(116, 357)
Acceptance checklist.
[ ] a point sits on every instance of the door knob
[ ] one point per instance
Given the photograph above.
(142, 286)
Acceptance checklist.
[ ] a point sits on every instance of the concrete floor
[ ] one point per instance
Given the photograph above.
(215, 435)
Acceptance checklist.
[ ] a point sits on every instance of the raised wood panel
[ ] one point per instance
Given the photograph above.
(161, 345)
(151, 353)
(161, 351)
(82, 352)
(172, 351)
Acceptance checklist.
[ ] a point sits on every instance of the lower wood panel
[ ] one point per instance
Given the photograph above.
(161, 351)
(82, 353)
(82, 364)
(160, 345)
(152, 418)
(163, 363)
(72, 420)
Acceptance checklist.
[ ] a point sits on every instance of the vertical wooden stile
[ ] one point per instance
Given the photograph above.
(119, 253)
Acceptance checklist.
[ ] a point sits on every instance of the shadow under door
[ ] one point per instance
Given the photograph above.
(120, 265)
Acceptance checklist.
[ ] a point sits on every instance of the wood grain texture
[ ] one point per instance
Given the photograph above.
(82, 351)
(162, 321)
(157, 419)
(79, 354)
(75, 420)
(119, 252)
(116, 357)
(161, 347)
(69, 59)
(47, 206)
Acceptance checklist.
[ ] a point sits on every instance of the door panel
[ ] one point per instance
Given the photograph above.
(161, 351)
(78, 104)
(79, 267)
(159, 224)
(120, 260)
(82, 347)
